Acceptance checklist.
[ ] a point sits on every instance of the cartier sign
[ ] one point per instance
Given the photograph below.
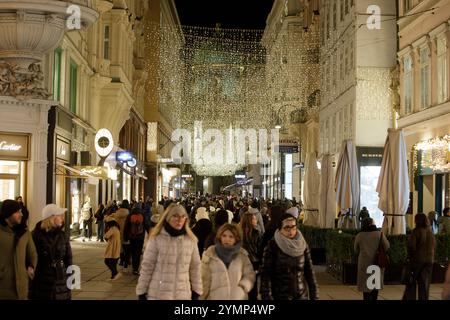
(14, 146)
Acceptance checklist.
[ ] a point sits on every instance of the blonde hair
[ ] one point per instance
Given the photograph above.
(233, 228)
(48, 224)
(157, 229)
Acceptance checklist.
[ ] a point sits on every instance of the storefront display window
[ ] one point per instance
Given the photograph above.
(11, 179)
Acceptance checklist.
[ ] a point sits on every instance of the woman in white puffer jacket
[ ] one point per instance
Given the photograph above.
(227, 273)
(170, 269)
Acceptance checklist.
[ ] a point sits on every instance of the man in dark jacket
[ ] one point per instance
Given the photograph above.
(17, 267)
(287, 271)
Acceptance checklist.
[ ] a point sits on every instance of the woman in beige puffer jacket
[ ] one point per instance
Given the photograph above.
(227, 273)
(170, 268)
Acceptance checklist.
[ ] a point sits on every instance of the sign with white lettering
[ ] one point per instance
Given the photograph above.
(14, 146)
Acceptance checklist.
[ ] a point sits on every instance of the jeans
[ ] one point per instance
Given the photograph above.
(111, 263)
(125, 255)
(136, 251)
(87, 232)
(100, 229)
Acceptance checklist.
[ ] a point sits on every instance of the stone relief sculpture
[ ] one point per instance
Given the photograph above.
(22, 84)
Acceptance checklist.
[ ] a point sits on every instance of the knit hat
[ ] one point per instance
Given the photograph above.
(293, 211)
(201, 214)
(283, 217)
(52, 210)
(253, 210)
(9, 207)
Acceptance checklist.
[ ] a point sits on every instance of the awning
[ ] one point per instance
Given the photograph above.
(77, 174)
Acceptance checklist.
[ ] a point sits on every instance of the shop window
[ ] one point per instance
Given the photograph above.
(424, 78)
(73, 87)
(408, 84)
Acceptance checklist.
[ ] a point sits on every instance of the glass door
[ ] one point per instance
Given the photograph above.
(9, 179)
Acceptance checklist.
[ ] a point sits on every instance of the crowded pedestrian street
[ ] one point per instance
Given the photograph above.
(96, 284)
(258, 152)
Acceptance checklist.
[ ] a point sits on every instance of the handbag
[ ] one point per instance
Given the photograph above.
(381, 257)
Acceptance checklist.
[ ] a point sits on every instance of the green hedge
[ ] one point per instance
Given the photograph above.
(338, 245)
(315, 237)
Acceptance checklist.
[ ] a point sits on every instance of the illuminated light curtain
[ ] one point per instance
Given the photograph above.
(225, 77)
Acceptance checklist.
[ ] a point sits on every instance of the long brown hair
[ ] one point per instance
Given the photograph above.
(246, 224)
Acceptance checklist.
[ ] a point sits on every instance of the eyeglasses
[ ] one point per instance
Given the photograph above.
(179, 217)
(289, 228)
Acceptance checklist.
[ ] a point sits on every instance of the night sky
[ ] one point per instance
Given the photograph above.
(231, 14)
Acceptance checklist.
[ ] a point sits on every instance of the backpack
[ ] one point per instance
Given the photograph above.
(137, 225)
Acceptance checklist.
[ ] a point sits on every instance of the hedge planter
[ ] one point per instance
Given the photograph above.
(318, 256)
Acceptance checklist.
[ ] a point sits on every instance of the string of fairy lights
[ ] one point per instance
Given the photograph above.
(230, 77)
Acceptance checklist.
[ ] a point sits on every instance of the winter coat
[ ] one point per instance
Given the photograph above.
(421, 244)
(170, 268)
(287, 278)
(127, 233)
(253, 246)
(366, 245)
(54, 257)
(121, 216)
(202, 229)
(14, 262)
(113, 248)
(444, 225)
(86, 213)
(220, 283)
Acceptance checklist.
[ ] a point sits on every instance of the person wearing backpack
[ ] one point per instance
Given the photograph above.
(134, 232)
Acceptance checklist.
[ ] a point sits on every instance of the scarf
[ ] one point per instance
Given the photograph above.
(172, 231)
(292, 247)
(227, 254)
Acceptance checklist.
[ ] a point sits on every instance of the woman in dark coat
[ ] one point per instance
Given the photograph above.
(421, 245)
(54, 256)
(287, 272)
(202, 228)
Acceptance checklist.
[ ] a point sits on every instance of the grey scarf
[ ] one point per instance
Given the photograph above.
(292, 247)
(227, 254)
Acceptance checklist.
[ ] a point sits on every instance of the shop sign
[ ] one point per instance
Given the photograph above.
(104, 142)
(289, 145)
(62, 150)
(93, 171)
(14, 146)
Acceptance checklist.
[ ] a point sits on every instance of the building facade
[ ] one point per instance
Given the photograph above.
(357, 58)
(424, 108)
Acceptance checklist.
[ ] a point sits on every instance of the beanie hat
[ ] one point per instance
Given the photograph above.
(201, 214)
(283, 217)
(253, 210)
(52, 210)
(293, 211)
(9, 207)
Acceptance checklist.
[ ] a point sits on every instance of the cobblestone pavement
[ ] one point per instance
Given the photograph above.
(95, 284)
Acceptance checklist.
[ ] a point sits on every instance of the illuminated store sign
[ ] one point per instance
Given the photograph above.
(104, 142)
(14, 146)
